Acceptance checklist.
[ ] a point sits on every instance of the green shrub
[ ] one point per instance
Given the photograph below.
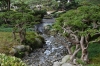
(10, 61)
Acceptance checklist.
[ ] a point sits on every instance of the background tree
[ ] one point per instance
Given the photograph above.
(19, 20)
(8, 4)
(5, 4)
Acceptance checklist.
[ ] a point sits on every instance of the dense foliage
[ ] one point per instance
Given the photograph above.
(80, 19)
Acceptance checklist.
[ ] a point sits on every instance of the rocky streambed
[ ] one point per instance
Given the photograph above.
(52, 51)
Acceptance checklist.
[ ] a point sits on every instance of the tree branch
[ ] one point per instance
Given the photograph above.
(82, 42)
(75, 52)
(94, 37)
(76, 38)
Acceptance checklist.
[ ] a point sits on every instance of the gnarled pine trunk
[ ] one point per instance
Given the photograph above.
(84, 46)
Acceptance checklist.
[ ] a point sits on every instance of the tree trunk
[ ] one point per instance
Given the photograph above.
(69, 50)
(75, 52)
(14, 32)
(8, 4)
(84, 55)
(22, 34)
(14, 35)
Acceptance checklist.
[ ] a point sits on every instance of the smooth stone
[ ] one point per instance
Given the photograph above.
(56, 63)
(67, 64)
(65, 59)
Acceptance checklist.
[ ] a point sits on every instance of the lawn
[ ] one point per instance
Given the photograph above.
(6, 42)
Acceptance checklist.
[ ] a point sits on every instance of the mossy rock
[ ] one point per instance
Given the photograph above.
(42, 39)
(39, 42)
(34, 40)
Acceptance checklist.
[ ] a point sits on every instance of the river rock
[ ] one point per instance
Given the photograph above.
(65, 59)
(16, 50)
(20, 47)
(67, 64)
(12, 51)
(56, 63)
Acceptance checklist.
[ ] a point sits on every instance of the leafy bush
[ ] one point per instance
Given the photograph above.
(10, 61)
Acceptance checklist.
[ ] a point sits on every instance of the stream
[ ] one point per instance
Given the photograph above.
(52, 51)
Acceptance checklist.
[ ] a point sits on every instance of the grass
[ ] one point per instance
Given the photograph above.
(6, 42)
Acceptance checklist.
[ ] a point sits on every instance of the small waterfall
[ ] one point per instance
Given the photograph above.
(41, 26)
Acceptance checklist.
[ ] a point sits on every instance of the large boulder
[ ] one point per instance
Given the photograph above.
(63, 62)
(56, 63)
(19, 50)
(65, 59)
(39, 42)
(67, 64)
